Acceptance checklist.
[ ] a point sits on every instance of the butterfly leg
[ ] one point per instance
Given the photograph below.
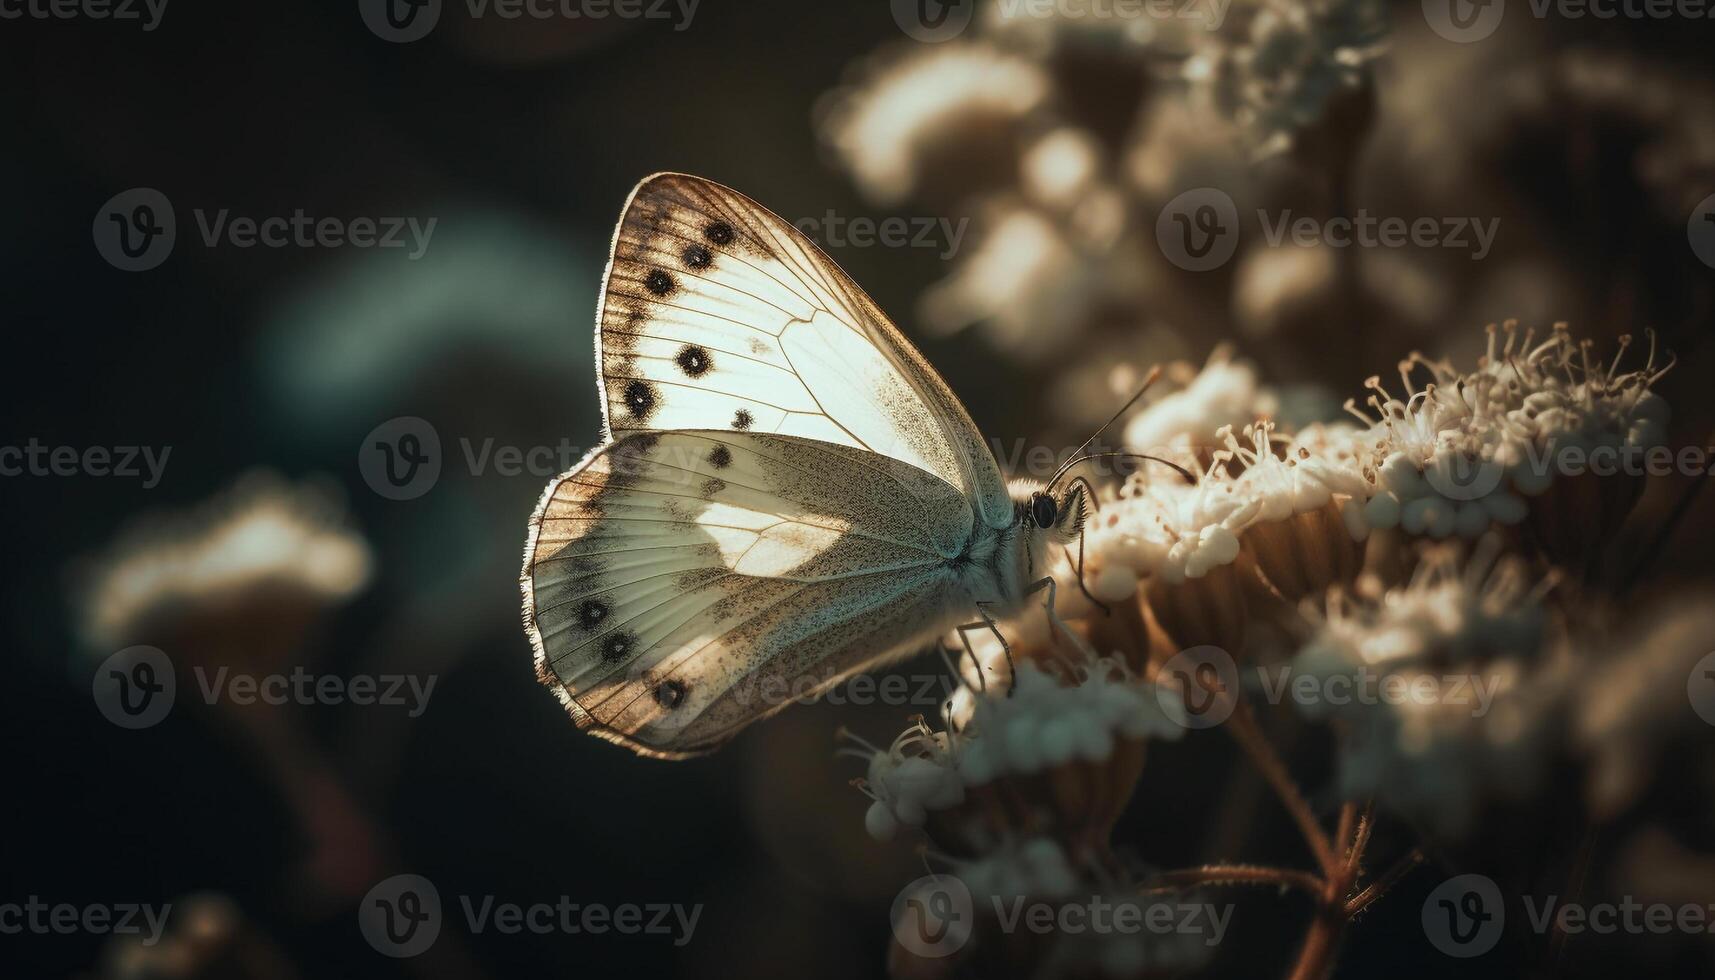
(1079, 565)
(950, 654)
(1054, 620)
(989, 624)
(1090, 495)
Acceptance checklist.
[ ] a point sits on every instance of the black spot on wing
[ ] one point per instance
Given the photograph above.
(712, 487)
(659, 282)
(693, 360)
(640, 399)
(617, 646)
(591, 614)
(720, 457)
(719, 232)
(742, 419)
(696, 256)
(670, 693)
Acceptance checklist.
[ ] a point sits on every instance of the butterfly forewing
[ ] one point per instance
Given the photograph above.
(718, 314)
(675, 579)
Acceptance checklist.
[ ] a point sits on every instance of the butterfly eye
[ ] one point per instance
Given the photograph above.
(1042, 510)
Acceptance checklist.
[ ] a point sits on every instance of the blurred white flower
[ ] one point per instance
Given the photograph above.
(1476, 699)
(263, 541)
(883, 125)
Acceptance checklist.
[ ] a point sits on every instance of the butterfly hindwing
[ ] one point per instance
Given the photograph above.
(718, 314)
(679, 585)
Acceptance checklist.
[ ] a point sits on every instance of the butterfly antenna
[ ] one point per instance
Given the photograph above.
(1154, 373)
(1182, 471)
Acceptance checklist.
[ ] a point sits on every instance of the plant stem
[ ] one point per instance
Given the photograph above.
(1376, 889)
(1322, 942)
(1251, 739)
(1239, 874)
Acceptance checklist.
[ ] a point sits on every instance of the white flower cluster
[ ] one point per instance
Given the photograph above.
(1462, 453)
(1173, 530)
(1276, 66)
(1445, 698)
(1111, 940)
(883, 128)
(1225, 393)
(1040, 722)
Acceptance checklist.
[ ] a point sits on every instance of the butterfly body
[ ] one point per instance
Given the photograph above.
(789, 494)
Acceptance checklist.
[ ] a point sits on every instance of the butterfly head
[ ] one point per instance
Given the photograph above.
(1062, 517)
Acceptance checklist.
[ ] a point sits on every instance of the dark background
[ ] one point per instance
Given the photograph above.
(523, 139)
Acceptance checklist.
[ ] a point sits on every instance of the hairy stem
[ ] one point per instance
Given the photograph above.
(1237, 874)
(1248, 733)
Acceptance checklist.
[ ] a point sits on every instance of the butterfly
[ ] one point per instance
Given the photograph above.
(787, 493)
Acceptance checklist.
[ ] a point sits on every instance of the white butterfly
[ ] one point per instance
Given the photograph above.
(789, 494)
